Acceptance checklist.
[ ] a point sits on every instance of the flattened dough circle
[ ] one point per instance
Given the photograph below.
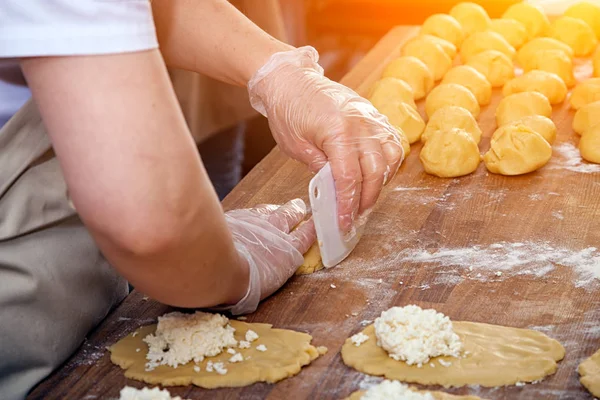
(498, 356)
(287, 352)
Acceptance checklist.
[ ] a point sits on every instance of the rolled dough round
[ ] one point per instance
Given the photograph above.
(589, 145)
(287, 352)
(450, 154)
(521, 105)
(585, 93)
(546, 83)
(473, 80)
(586, 117)
(590, 374)
(412, 71)
(450, 117)
(529, 49)
(482, 41)
(513, 31)
(436, 395)
(451, 94)
(497, 356)
(533, 17)
(444, 26)
(472, 17)
(496, 66)
(388, 90)
(576, 34)
(554, 61)
(588, 13)
(433, 55)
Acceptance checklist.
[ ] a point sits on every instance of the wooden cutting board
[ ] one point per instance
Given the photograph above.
(538, 230)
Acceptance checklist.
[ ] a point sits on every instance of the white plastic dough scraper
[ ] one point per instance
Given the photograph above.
(334, 246)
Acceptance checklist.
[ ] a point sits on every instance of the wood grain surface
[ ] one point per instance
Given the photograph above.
(552, 215)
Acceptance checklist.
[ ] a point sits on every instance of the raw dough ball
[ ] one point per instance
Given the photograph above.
(586, 117)
(589, 144)
(575, 33)
(534, 19)
(450, 117)
(403, 141)
(521, 105)
(444, 26)
(540, 124)
(312, 261)
(529, 49)
(588, 13)
(496, 66)
(404, 117)
(482, 41)
(451, 94)
(431, 54)
(555, 61)
(412, 71)
(472, 17)
(450, 153)
(589, 370)
(516, 150)
(596, 63)
(585, 93)
(287, 352)
(497, 356)
(546, 83)
(391, 90)
(473, 80)
(448, 47)
(513, 31)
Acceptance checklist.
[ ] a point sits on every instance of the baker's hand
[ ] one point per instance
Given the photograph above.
(315, 120)
(266, 240)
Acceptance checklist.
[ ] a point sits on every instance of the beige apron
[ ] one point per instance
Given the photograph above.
(55, 286)
(210, 106)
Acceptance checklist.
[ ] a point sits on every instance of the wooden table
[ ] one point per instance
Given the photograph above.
(552, 213)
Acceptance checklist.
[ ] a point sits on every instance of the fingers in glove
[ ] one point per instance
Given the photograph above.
(345, 167)
(394, 155)
(286, 217)
(375, 171)
(304, 236)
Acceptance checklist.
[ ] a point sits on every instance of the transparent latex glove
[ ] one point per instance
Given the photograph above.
(315, 120)
(265, 238)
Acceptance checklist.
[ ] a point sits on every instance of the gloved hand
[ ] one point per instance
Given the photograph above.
(315, 120)
(264, 238)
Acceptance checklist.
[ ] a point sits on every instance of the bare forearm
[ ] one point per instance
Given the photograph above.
(135, 177)
(212, 37)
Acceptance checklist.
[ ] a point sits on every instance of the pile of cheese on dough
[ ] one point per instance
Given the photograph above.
(387, 390)
(414, 335)
(130, 393)
(181, 338)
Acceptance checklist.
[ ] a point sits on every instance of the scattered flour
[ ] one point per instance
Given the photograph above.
(558, 215)
(261, 347)
(131, 393)
(570, 159)
(529, 258)
(535, 197)
(359, 339)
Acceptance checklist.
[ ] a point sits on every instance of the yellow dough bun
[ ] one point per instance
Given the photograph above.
(529, 49)
(494, 65)
(450, 117)
(482, 41)
(586, 117)
(554, 61)
(513, 31)
(451, 94)
(521, 105)
(450, 153)
(473, 80)
(589, 145)
(448, 47)
(585, 93)
(516, 150)
(403, 141)
(540, 124)
(391, 90)
(412, 71)
(444, 26)
(546, 83)
(588, 13)
(534, 19)
(576, 34)
(405, 117)
(596, 63)
(472, 17)
(431, 54)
